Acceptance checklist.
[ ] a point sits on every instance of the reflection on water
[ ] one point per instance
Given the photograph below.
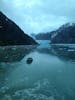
(49, 77)
(14, 54)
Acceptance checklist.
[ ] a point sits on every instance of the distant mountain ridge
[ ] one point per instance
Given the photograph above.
(44, 36)
(11, 34)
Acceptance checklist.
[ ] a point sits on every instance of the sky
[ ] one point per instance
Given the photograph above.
(35, 16)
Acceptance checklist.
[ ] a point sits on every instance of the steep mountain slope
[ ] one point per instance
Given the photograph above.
(65, 34)
(11, 34)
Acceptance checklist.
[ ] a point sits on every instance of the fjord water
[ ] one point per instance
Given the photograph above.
(50, 76)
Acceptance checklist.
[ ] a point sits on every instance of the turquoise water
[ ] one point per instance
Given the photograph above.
(50, 76)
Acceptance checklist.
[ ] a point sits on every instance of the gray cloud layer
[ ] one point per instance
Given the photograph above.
(39, 15)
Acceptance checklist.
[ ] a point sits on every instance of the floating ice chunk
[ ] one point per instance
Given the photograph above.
(14, 48)
(71, 50)
(51, 98)
(17, 93)
(6, 79)
(3, 89)
(7, 97)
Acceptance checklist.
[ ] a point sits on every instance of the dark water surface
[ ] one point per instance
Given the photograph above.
(50, 76)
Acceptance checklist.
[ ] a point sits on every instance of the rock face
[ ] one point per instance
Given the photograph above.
(65, 34)
(11, 34)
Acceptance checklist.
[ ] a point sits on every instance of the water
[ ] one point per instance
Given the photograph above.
(50, 76)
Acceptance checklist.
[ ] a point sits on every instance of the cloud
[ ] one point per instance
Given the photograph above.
(39, 15)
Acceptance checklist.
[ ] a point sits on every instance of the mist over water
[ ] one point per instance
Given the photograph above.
(50, 75)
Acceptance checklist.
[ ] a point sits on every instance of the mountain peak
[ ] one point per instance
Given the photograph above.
(68, 25)
(65, 34)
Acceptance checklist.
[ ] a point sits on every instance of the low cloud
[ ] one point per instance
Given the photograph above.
(35, 16)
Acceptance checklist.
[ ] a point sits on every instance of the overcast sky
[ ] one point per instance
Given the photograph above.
(34, 16)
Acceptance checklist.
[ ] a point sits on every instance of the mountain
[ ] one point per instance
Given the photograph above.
(43, 36)
(65, 34)
(11, 34)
